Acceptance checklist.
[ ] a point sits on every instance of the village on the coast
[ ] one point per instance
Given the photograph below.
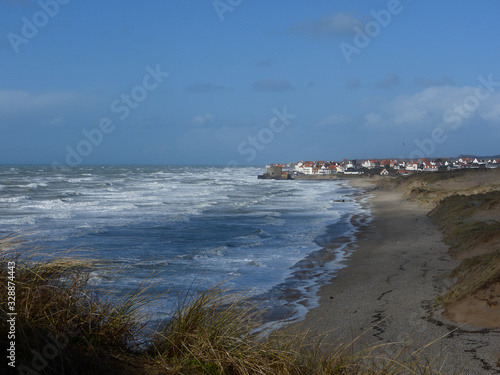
(370, 167)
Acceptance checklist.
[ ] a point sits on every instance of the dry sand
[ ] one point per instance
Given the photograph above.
(388, 289)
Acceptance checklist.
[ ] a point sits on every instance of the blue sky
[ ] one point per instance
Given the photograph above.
(247, 82)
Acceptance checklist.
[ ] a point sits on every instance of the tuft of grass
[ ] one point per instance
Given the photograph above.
(455, 216)
(56, 306)
(213, 332)
(473, 274)
(432, 187)
(217, 333)
(64, 327)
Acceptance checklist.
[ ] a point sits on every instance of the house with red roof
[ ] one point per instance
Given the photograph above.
(428, 166)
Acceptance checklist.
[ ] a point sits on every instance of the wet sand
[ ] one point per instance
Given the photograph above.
(387, 292)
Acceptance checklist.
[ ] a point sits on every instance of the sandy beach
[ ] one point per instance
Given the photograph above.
(387, 292)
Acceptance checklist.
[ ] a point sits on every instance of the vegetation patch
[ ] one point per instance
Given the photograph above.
(474, 241)
(473, 274)
(432, 187)
(64, 327)
(454, 215)
(59, 317)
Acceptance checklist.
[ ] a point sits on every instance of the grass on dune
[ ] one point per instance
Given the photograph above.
(56, 308)
(64, 327)
(473, 274)
(217, 333)
(456, 216)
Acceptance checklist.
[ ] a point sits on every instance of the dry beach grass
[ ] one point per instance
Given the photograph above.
(63, 327)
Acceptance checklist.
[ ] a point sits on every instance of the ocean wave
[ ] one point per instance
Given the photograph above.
(217, 251)
(33, 185)
(17, 221)
(254, 263)
(14, 199)
(184, 221)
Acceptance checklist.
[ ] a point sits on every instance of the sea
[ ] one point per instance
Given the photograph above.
(183, 229)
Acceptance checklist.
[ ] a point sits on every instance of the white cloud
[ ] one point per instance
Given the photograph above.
(201, 120)
(58, 121)
(16, 101)
(429, 82)
(491, 112)
(372, 119)
(428, 105)
(427, 108)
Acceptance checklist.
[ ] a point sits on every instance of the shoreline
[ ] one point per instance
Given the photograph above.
(397, 267)
(299, 292)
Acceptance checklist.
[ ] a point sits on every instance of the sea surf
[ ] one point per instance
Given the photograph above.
(180, 228)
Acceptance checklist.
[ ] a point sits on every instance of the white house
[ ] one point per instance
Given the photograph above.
(308, 169)
(350, 164)
(412, 166)
(304, 167)
(324, 170)
(370, 164)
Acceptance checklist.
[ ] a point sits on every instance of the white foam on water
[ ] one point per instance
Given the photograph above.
(14, 199)
(17, 221)
(215, 223)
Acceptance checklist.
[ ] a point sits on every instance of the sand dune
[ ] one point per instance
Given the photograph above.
(402, 268)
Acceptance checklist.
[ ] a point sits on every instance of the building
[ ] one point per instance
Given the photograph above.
(370, 164)
(428, 166)
(412, 166)
(274, 172)
(324, 171)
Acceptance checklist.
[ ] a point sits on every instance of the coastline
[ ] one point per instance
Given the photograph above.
(397, 268)
(299, 292)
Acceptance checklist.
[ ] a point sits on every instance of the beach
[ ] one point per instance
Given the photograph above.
(369, 245)
(387, 293)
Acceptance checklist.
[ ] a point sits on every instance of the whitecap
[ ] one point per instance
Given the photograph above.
(253, 263)
(14, 199)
